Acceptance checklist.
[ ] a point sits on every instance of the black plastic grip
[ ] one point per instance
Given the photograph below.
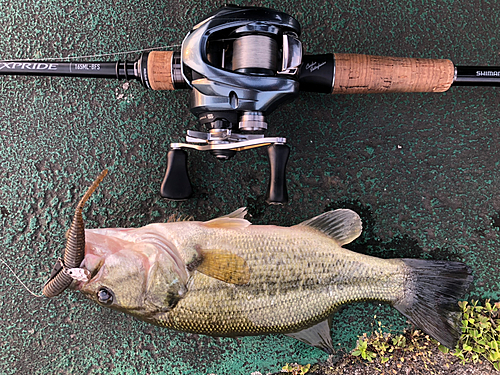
(278, 157)
(176, 185)
(316, 73)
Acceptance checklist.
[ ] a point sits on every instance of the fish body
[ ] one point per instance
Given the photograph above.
(226, 277)
(297, 279)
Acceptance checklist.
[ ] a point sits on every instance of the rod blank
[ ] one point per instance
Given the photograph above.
(94, 69)
(157, 70)
(477, 76)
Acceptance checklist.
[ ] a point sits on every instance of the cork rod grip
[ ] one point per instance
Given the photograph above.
(160, 70)
(364, 74)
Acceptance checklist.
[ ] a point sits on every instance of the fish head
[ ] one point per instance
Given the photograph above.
(142, 278)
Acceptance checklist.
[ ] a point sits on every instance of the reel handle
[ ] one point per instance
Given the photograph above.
(278, 157)
(176, 185)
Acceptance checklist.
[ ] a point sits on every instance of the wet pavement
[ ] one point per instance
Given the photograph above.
(420, 169)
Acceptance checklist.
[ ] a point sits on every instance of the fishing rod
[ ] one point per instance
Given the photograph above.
(240, 64)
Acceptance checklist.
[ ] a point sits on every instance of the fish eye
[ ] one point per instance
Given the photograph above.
(105, 296)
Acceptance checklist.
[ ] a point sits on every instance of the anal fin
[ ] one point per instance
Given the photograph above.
(318, 336)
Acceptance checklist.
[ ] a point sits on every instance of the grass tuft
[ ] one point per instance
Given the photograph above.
(480, 339)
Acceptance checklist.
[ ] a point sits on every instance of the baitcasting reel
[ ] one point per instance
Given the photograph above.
(240, 64)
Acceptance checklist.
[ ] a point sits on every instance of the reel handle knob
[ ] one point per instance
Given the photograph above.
(278, 157)
(176, 185)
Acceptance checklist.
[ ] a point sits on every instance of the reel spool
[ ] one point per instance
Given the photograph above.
(232, 94)
(255, 54)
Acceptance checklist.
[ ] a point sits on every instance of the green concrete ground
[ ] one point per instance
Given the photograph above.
(421, 169)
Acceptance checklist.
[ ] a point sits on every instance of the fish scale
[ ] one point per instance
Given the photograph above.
(297, 279)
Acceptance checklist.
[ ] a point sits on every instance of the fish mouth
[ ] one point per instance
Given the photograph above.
(60, 277)
(135, 266)
(98, 247)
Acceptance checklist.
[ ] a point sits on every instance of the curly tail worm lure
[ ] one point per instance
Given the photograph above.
(63, 272)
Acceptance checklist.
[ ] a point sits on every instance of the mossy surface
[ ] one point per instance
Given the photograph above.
(421, 169)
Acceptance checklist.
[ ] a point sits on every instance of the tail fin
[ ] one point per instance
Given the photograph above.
(431, 301)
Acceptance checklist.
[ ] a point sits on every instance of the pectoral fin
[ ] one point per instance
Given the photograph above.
(225, 266)
(318, 336)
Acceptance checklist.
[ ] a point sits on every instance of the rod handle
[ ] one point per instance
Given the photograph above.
(278, 157)
(159, 70)
(176, 185)
(365, 74)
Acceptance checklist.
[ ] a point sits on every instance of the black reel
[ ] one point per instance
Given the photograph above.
(240, 63)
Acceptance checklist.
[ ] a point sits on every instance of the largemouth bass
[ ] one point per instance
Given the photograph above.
(226, 277)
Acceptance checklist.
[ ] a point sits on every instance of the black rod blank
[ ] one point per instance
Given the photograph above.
(477, 76)
(117, 69)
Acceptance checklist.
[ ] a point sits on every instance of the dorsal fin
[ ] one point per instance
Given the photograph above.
(238, 214)
(225, 266)
(176, 217)
(234, 220)
(342, 225)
